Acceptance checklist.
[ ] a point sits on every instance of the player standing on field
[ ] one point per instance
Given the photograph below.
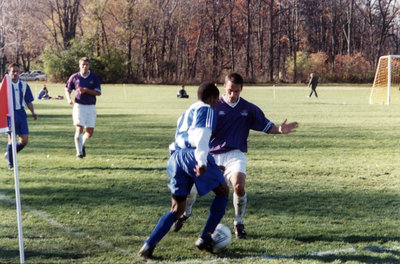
(190, 164)
(236, 117)
(87, 86)
(22, 95)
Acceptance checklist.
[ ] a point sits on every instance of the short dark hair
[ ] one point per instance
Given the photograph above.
(235, 78)
(207, 90)
(84, 59)
(12, 65)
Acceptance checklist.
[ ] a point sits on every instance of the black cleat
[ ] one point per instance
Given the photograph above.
(240, 232)
(83, 151)
(80, 156)
(146, 251)
(203, 245)
(179, 223)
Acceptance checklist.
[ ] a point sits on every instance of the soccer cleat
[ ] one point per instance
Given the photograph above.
(10, 166)
(179, 223)
(146, 251)
(83, 151)
(80, 156)
(205, 245)
(240, 232)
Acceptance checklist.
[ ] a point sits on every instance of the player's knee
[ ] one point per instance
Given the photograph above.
(178, 205)
(239, 189)
(222, 190)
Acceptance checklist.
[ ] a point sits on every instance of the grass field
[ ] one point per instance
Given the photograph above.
(328, 193)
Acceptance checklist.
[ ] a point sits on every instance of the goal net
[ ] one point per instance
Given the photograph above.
(386, 87)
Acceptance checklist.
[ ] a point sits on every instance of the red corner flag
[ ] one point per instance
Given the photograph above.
(4, 103)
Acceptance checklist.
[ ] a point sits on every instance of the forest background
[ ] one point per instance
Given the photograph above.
(187, 41)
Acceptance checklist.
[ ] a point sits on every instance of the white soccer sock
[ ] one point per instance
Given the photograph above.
(78, 143)
(190, 199)
(239, 203)
(85, 139)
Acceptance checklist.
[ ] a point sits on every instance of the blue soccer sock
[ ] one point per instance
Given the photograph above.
(19, 147)
(217, 211)
(161, 229)
(10, 152)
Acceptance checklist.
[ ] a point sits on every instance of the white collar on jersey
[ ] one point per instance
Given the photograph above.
(230, 104)
(85, 76)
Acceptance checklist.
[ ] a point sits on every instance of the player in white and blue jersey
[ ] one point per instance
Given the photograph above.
(191, 164)
(87, 86)
(22, 95)
(236, 117)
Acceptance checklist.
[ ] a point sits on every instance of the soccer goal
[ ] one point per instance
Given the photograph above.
(386, 87)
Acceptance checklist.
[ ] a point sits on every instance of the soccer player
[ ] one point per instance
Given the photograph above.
(22, 95)
(190, 164)
(87, 86)
(236, 117)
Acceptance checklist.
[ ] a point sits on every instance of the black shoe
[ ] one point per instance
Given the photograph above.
(203, 245)
(83, 151)
(10, 166)
(240, 232)
(146, 251)
(179, 223)
(80, 156)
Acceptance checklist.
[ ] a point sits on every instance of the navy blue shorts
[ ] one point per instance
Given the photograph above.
(21, 124)
(180, 169)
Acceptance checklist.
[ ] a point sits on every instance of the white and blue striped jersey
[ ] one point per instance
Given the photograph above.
(22, 94)
(194, 129)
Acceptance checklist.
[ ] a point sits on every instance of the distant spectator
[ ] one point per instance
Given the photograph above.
(44, 93)
(313, 84)
(182, 93)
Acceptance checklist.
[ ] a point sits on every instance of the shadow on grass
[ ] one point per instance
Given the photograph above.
(358, 256)
(9, 255)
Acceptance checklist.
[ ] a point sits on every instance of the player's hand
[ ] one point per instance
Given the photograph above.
(35, 116)
(200, 170)
(288, 128)
(80, 89)
(222, 169)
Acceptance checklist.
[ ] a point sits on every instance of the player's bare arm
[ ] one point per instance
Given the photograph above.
(284, 128)
(83, 90)
(34, 115)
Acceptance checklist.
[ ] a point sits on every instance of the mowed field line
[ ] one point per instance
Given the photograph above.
(44, 216)
(104, 244)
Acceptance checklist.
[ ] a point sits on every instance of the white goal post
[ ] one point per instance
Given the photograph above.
(386, 87)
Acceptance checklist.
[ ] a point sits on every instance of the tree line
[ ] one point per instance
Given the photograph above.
(182, 41)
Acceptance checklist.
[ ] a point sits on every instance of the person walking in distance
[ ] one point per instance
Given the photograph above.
(313, 85)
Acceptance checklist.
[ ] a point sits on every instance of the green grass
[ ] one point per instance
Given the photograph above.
(333, 186)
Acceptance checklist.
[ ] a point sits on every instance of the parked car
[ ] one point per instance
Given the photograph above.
(33, 76)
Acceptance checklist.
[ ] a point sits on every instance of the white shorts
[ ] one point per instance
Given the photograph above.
(233, 161)
(84, 115)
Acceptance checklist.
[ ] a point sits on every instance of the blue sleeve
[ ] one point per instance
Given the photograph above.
(28, 95)
(98, 86)
(260, 122)
(70, 84)
(206, 117)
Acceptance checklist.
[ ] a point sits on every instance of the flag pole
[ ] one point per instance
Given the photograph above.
(16, 180)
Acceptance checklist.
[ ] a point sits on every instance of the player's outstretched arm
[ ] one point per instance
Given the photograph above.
(284, 128)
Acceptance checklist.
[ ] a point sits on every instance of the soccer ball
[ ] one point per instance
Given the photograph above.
(222, 236)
